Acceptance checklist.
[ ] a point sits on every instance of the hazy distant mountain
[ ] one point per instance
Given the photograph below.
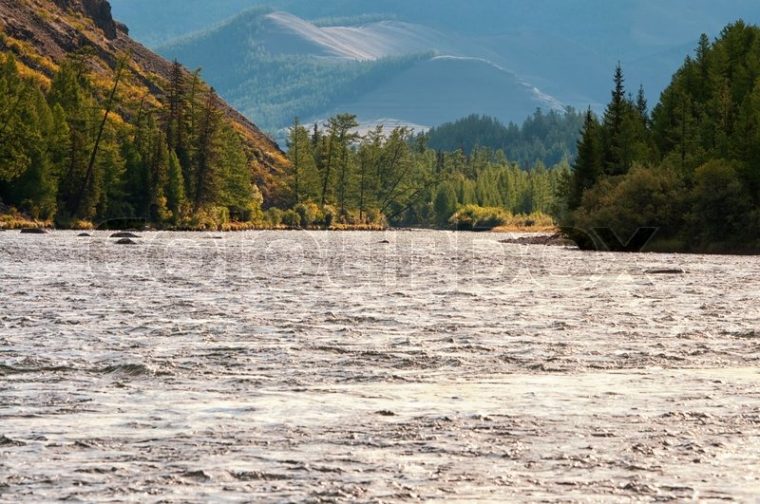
(445, 88)
(286, 33)
(367, 54)
(608, 25)
(275, 65)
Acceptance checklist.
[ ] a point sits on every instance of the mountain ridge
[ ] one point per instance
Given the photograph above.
(275, 61)
(42, 33)
(566, 49)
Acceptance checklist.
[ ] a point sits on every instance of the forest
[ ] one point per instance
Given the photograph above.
(549, 137)
(690, 169)
(74, 156)
(393, 177)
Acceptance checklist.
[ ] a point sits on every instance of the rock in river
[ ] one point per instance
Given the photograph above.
(666, 271)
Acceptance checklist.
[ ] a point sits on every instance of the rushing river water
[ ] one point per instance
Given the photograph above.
(335, 367)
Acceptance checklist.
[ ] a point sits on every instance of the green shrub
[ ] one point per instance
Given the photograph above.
(291, 219)
(310, 214)
(273, 217)
(375, 216)
(476, 218)
(721, 207)
(331, 216)
(643, 198)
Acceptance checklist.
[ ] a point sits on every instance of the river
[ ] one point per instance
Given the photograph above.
(373, 367)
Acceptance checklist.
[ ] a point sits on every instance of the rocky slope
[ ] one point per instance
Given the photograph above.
(41, 33)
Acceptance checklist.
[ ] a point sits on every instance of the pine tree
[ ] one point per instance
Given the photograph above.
(615, 142)
(14, 133)
(111, 171)
(175, 189)
(339, 139)
(370, 152)
(642, 106)
(206, 169)
(90, 178)
(236, 188)
(588, 166)
(75, 198)
(175, 123)
(445, 204)
(540, 189)
(303, 180)
(158, 168)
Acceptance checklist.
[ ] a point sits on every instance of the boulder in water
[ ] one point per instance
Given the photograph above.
(125, 241)
(84, 235)
(6, 441)
(124, 234)
(555, 240)
(666, 271)
(33, 231)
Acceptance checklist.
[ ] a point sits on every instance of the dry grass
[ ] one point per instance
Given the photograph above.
(21, 222)
(358, 227)
(523, 229)
(533, 223)
(242, 226)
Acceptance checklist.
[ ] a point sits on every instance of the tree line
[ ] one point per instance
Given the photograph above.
(75, 152)
(548, 137)
(82, 149)
(690, 168)
(395, 176)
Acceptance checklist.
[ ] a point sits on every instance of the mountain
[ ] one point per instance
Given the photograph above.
(567, 50)
(97, 127)
(42, 34)
(285, 33)
(275, 66)
(609, 27)
(446, 88)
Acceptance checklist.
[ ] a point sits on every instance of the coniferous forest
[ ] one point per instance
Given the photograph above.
(549, 137)
(71, 155)
(689, 169)
(393, 177)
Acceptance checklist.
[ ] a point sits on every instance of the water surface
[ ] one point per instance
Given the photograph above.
(334, 367)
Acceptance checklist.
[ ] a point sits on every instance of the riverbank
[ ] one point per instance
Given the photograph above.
(10, 222)
(18, 222)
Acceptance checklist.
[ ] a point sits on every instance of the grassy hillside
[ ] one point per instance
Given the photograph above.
(42, 33)
(96, 125)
